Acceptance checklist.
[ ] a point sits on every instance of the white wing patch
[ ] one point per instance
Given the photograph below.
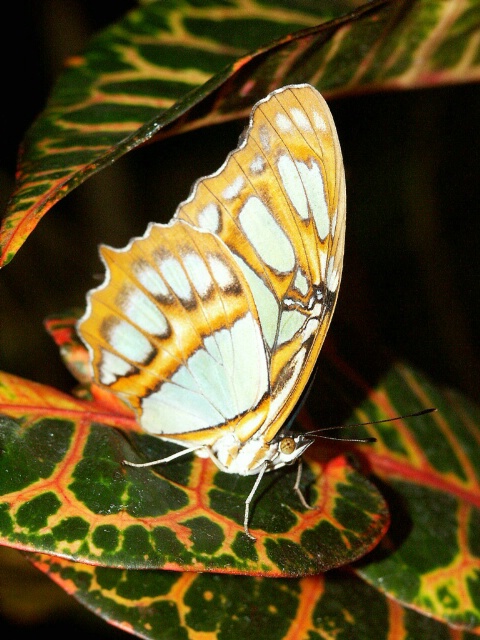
(301, 120)
(175, 276)
(283, 123)
(112, 367)
(209, 218)
(290, 323)
(301, 283)
(233, 190)
(312, 181)
(150, 279)
(264, 135)
(206, 391)
(128, 341)
(143, 312)
(333, 277)
(293, 185)
(224, 276)
(257, 165)
(323, 255)
(199, 274)
(319, 121)
(265, 235)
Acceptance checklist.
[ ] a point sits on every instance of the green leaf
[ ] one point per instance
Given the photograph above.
(428, 469)
(429, 559)
(159, 605)
(433, 559)
(172, 66)
(65, 491)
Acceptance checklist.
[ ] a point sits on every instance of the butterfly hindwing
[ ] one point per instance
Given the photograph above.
(175, 332)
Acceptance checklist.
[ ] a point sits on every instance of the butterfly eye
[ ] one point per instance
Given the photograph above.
(287, 445)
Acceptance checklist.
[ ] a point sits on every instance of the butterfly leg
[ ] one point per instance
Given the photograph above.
(162, 460)
(250, 498)
(297, 489)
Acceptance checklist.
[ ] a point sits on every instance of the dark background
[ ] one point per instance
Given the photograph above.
(411, 276)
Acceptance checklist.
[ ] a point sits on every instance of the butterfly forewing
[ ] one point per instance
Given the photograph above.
(278, 203)
(210, 326)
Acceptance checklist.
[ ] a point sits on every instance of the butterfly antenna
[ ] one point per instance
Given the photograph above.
(316, 433)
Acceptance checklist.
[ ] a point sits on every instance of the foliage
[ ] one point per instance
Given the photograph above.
(150, 551)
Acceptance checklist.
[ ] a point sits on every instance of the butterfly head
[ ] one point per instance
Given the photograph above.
(290, 448)
(247, 458)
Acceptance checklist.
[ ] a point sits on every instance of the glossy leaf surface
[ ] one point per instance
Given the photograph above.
(65, 491)
(175, 67)
(159, 605)
(428, 469)
(433, 478)
(408, 461)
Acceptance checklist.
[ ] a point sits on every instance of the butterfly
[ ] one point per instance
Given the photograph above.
(209, 326)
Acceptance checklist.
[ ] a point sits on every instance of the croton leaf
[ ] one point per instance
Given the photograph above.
(61, 328)
(65, 491)
(161, 605)
(433, 478)
(425, 466)
(428, 468)
(168, 67)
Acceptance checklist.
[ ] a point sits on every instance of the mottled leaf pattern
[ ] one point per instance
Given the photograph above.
(433, 476)
(167, 66)
(428, 469)
(65, 491)
(159, 605)
(173, 65)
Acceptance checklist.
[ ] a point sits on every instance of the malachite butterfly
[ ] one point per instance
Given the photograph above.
(210, 326)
